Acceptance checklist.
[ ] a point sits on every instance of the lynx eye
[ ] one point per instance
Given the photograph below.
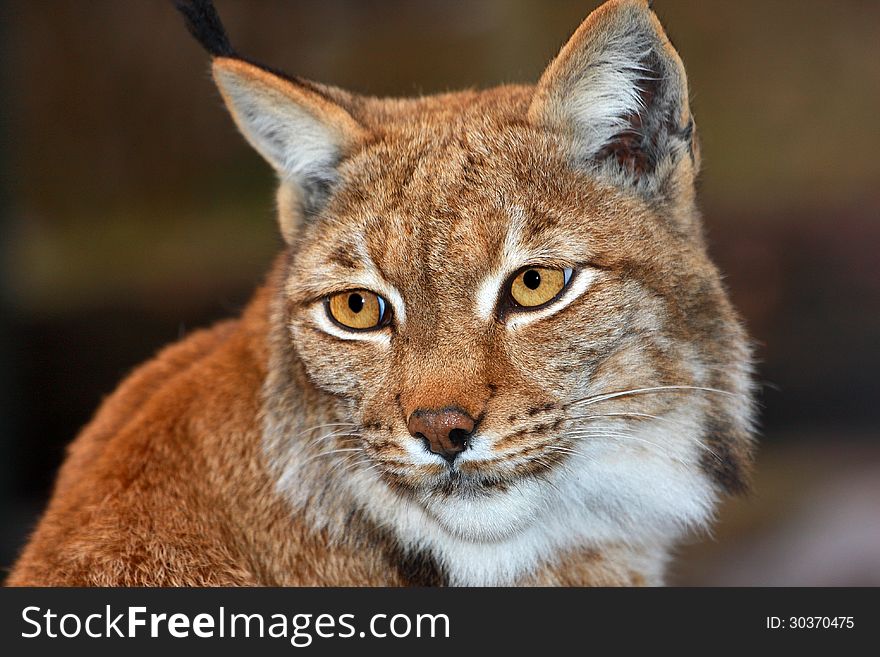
(536, 286)
(358, 310)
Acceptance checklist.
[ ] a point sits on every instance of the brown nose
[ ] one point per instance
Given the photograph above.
(445, 432)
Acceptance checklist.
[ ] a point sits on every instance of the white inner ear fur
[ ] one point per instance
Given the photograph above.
(298, 144)
(603, 98)
(593, 87)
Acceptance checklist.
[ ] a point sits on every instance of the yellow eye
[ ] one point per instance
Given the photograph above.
(535, 286)
(359, 310)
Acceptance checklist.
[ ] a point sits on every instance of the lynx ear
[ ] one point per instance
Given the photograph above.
(618, 90)
(295, 125)
(301, 132)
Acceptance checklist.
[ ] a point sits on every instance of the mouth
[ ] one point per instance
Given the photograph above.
(465, 480)
(469, 485)
(476, 471)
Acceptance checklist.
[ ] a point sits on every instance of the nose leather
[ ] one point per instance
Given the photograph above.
(445, 432)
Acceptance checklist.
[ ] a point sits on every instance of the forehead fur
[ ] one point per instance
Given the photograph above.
(450, 176)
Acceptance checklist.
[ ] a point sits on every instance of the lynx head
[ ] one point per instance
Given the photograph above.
(497, 312)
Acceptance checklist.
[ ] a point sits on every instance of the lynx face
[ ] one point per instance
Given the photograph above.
(504, 299)
(442, 236)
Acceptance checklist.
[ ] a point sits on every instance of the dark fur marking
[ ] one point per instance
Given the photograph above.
(399, 404)
(417, 568)
(203, 22)
(205, 25)
(316, 192)
(727, 468)
(341, 256)
(516, 435)
(532, 412)
(413, 568)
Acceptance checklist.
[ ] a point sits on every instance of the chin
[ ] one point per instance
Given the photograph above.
(486, 515)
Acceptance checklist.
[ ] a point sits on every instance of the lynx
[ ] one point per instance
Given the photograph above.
(494, 350)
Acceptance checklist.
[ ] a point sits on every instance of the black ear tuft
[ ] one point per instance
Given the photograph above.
(204, 24)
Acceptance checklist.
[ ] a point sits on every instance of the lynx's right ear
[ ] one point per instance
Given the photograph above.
(299, 131)
(293, 124)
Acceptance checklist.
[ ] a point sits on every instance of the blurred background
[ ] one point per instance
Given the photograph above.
(132, 212)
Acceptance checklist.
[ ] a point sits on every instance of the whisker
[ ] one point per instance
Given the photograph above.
(346, 460)
(577, 433)
(330, 453)
(660, 449)
(574, 452)
(665, 420)
(341, 433)
(586, 401)
(592, 433)
(705, 447)
(375, 466)
(559, 448)
(604, 415)
(352, 464)
(554, 486)
(587, 434)
(324, 426)
(549, 466)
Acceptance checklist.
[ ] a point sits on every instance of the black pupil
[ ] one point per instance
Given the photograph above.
(355, 303)
(532, 279)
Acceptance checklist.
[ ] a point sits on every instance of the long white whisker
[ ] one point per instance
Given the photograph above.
(704, 446)
(660, 449)
(560, 448)
(324, 426)
(573, 452)
(666, 420)
(599, 416)
(334, 434)
(586, 401)
(352, 464)
(375, 466)
(594, 433)
(330, 453)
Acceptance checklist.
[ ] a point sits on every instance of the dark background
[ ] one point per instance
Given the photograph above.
(132, 212)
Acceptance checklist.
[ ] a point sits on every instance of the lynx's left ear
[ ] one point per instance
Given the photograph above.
(618, 91)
